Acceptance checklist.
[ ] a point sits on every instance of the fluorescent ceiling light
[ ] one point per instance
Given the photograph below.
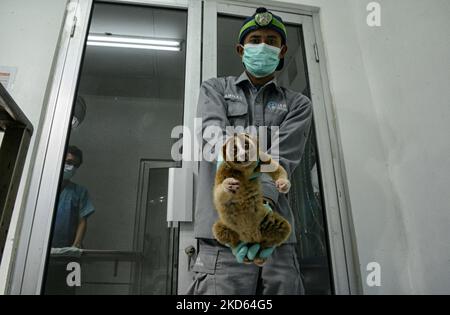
(133, 42)
(135, 46)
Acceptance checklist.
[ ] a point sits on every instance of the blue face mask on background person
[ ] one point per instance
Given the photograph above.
(261, 60)
(69, 171)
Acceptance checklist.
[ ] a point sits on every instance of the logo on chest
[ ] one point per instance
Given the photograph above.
(274, 106)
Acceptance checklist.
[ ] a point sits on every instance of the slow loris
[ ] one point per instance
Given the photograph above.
(238, 197)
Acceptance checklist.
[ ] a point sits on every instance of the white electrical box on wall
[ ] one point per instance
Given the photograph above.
(180, 194)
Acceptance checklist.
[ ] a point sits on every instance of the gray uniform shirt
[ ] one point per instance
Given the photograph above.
(234, 101)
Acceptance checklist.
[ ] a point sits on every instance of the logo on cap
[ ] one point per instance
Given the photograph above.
(263, 19)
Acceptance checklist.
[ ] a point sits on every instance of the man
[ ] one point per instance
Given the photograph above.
(74, 205)
(252, 99)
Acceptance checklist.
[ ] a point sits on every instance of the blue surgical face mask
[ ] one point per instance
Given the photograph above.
(69, 171)
(261, 60)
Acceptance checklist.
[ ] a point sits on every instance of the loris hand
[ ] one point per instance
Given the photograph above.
(231, 185)
(283, 185)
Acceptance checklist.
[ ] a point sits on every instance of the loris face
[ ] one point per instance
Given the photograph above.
(241, 152)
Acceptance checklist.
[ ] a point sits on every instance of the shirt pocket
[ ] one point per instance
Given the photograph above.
(237, 113)
(204, 273)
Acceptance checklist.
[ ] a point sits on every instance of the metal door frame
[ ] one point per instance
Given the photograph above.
(343, 254)
(26, 275)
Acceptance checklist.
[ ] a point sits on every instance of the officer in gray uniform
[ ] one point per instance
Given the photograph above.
(252, 99)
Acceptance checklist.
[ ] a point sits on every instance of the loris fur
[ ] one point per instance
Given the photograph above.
(238, 198)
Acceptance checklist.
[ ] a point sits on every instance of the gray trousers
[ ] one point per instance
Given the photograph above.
(216, 272)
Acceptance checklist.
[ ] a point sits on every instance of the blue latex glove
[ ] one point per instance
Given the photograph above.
(243, 250)
(265, 253)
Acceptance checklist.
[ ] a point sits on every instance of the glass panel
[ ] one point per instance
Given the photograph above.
(129, 98)
(306, 193)
(156, 272)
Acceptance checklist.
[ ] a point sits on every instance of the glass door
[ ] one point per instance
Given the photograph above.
(110, 213)
(157, 270)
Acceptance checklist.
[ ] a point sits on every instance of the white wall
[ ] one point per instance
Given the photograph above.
(29, 38)
(29, 33)
(407, 65)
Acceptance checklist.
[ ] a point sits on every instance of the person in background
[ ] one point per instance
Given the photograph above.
(74, 205)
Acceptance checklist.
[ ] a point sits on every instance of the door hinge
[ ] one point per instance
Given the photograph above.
(74, 26)
(316, 52)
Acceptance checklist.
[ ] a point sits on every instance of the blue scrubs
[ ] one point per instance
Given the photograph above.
(74, 204)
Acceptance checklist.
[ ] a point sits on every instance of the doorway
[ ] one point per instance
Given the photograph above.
(305, 197)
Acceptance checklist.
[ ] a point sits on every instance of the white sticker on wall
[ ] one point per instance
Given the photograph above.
(7, 77)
